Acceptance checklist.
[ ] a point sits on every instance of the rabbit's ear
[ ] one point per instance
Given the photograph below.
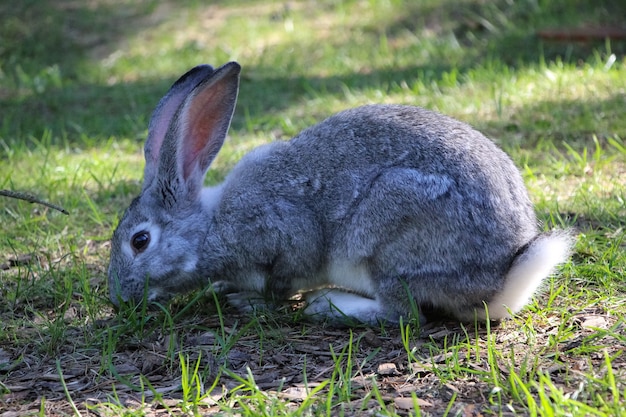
(197, 132)
(204, 119)
(164, 113)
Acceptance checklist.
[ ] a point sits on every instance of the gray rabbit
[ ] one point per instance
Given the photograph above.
(370, 213)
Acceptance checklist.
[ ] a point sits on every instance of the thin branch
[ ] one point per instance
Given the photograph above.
(32, 199)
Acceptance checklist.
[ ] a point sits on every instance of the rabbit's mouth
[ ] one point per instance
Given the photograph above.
(152, 299)
(120, 295)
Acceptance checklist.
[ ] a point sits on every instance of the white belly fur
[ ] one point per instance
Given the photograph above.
(351, 276)
(343, 274)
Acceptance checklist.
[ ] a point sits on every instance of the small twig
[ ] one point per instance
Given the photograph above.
(32, 199)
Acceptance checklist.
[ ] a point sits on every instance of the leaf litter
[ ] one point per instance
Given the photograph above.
(445, 363)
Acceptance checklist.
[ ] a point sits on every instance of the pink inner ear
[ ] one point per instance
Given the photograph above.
(204, 136)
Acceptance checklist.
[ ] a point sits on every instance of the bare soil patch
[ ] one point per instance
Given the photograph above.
(288, 359)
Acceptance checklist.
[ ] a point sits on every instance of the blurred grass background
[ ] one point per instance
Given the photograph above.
(86, 71)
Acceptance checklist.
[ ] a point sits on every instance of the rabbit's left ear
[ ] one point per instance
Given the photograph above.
(202, 122)
(196, 134)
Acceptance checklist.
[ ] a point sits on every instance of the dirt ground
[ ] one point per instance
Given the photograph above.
(283, 354)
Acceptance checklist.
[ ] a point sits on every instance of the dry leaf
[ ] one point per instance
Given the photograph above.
(592, 322)
(406, 403)
(387, 369)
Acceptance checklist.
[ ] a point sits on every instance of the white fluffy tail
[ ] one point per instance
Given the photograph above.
(529, 269)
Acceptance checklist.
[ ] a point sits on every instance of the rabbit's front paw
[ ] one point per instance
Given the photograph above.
(223, 287)
(247, 301)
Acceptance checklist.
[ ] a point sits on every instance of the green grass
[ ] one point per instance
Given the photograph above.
(78, 81)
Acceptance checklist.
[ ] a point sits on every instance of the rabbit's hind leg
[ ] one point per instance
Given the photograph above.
(338, 306)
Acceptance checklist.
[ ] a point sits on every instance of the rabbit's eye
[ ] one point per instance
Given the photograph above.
(140, 241)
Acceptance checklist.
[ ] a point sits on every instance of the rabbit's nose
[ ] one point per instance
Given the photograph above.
(116, 295)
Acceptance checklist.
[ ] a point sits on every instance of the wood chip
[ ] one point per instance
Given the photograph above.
(387, 369)
(126, 368)
(440, 334)
(421, 368)
(592, 322)
(372, 338)
(11, 414)
(406, 403)
(19, 260)
(294, 393)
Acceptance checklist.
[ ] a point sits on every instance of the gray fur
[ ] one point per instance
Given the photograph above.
(399, 197)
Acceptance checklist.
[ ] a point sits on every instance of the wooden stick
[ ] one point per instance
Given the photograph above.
(32, 199)
(582, 34)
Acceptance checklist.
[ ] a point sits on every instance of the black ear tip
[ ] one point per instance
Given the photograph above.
(233, 66)
(201, 68)
(199, 72)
